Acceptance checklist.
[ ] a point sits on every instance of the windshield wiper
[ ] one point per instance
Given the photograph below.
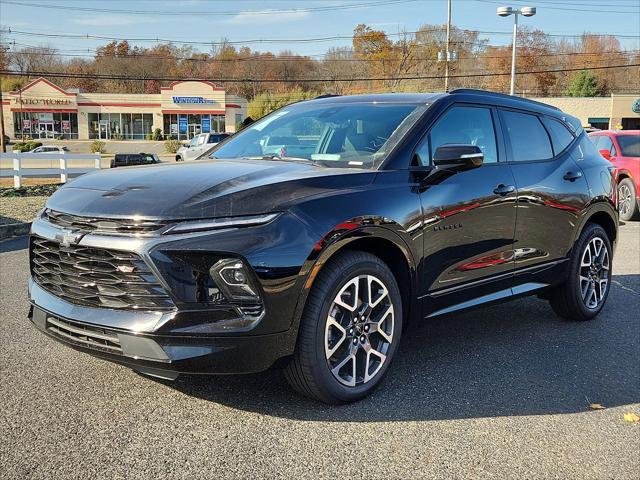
(278, 157)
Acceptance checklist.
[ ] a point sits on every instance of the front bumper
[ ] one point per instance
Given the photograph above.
(164, 356)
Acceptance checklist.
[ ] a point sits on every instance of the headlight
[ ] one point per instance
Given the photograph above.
(234, 280)
(217, 223)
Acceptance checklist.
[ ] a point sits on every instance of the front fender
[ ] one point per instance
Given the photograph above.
(340, 237)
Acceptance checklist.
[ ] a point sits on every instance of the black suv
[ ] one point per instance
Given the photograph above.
(313, 237)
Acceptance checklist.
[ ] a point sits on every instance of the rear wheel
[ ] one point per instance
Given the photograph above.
(586, 289)
(627, 202)
(349, 331)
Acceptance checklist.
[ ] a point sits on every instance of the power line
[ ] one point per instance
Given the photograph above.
(219, 13)
(284, 58)
(286, 40)
(300, 80)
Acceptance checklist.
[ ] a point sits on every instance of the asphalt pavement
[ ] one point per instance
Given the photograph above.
(502, 392)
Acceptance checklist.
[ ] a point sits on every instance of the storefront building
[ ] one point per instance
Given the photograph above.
(614, 112)
(41, 109)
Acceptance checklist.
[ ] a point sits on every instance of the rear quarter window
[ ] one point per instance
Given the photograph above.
(560, 135)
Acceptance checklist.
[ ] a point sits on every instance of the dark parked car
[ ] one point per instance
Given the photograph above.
(132, 159)
(320, 232)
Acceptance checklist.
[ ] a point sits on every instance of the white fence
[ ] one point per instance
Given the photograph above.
(48, 165)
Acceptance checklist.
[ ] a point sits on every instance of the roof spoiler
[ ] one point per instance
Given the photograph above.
(502, 95)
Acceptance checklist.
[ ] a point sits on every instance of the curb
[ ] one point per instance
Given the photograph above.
(14, 230)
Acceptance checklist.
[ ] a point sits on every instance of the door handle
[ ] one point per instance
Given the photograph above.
(503, 189)
(572, 176)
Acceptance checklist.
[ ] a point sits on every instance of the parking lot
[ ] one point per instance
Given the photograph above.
(502, 392)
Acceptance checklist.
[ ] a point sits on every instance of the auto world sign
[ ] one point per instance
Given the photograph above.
(192, 100)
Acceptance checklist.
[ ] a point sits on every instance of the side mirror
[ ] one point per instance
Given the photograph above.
(458, 157)
(605, 153)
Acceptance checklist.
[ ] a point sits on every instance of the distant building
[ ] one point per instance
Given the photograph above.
(41, 109)
(601, 112)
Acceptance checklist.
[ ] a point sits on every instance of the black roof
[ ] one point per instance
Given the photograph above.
(417, 98)
(428, 98)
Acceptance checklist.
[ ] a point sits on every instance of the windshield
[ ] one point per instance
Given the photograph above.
(356, 135)
(629, 145)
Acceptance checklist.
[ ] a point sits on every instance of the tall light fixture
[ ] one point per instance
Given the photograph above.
(505, 12)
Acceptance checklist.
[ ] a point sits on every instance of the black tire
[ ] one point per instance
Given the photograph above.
(309, 372)
(567, 299)
(179, 159)
(627, 194)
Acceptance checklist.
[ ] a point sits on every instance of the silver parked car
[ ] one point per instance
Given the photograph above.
(199, 145)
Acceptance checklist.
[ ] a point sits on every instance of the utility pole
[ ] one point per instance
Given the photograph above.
(447, 55)
(3, 147)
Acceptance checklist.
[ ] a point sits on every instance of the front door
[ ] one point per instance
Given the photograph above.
(45, 129)
(468, 217)
(194, 129)
(104, 133)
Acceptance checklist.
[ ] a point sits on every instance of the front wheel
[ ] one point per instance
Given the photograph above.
(584, 293)
(627, 202)
(349, 331)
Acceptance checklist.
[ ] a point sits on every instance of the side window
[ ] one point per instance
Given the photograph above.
(201, 139)
(561, 137)
(193, 142)
(605, 143)
(528, 137)
(461, 125)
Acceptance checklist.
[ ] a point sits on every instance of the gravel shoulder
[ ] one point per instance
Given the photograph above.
(20, 209)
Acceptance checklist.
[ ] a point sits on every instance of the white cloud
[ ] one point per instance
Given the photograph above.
(267, 16)
(110, 20)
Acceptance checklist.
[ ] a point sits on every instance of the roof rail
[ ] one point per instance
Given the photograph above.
(327, 95)
(502, 95)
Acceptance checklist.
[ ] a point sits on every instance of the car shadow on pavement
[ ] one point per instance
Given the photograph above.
(516, 358)
(14, 244)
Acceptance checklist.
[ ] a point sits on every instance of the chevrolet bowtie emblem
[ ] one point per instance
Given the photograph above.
(68, 237)
(124, 268)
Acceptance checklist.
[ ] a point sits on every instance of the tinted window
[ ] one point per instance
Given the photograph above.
(629, 145)
(561, 137)
(529, 140)
(462, 125)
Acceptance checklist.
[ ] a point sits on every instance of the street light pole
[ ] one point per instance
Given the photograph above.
(505, 12)
(513, 55)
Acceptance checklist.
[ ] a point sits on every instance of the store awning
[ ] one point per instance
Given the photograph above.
(45, 110)
(194, 112)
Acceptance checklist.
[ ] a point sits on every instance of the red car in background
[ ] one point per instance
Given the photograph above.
(622, 148)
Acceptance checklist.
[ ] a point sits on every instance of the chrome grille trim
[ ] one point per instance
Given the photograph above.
(92, 337)
(97, 277)
(103, 225)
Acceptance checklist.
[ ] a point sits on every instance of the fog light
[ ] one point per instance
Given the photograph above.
(233, 279)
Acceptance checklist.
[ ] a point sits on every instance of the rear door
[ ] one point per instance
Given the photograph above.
(552, 193)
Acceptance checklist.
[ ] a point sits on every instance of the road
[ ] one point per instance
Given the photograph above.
(502, 392)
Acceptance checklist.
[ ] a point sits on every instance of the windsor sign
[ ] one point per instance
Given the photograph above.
(198, 100)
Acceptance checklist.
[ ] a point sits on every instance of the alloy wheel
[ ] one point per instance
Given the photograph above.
(594, 273)
(624, 200)
(359, 330)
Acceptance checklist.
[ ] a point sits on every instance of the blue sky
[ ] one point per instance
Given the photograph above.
(295, 19)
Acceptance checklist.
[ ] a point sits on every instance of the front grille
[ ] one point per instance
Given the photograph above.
(96, 277)
(87, 336)
(106, 225)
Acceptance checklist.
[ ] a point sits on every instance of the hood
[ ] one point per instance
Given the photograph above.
(202, 189)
